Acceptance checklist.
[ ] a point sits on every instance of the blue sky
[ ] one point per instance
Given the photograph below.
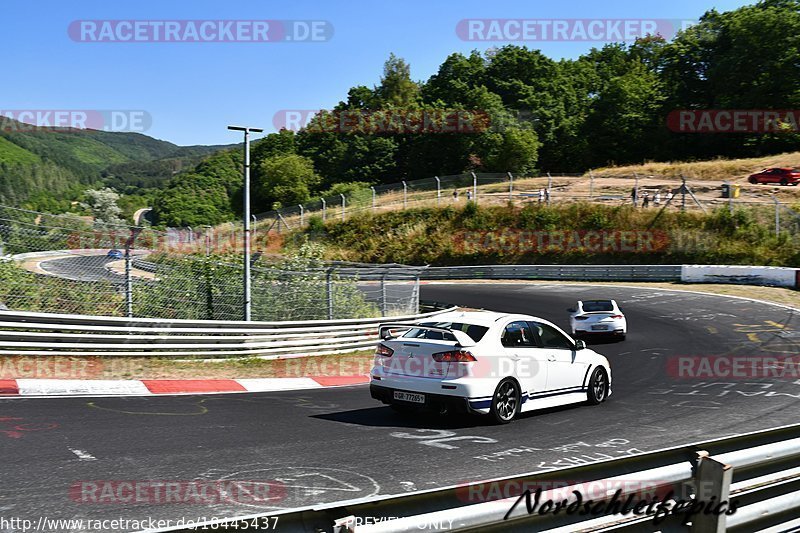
(193, 90)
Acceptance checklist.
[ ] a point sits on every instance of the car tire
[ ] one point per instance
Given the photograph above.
(598, 387)
(506, 402)
(754, 181)
(784, 182)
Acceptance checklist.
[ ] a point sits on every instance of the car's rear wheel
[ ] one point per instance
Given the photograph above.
(784, 182)
(506, 402)
(598, 386)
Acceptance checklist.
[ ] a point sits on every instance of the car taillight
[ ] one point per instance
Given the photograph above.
(384, 350)
(456, 356)
(581, 317)
(617, 316)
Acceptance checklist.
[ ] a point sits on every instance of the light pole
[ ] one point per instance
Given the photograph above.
(246, 215)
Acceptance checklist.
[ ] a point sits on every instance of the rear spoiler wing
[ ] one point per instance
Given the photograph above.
(461, 338)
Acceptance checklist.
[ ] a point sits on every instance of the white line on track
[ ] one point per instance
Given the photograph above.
(83, 456)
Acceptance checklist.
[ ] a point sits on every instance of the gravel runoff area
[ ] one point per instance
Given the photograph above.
(348, 364)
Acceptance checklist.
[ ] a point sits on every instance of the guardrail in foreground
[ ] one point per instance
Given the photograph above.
(28, 333)
(758, 471)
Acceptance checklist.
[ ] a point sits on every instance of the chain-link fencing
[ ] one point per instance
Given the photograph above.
(61, 263)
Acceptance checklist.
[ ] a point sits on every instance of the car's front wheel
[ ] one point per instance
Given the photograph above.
(598, 386)
(506, 402)
(784, 182)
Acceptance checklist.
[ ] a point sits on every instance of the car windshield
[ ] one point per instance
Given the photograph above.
(594, 306)
(474, 331)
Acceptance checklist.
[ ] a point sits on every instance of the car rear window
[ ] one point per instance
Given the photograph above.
(474, 331)
(597, 305)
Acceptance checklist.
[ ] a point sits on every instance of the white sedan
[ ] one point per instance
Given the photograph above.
(598, 317)
(486, 363)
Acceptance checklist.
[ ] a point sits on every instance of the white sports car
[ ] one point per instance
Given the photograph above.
(598, 317)
(485, 363)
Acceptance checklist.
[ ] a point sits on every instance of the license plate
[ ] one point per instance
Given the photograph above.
(599, 328)
(409, 397)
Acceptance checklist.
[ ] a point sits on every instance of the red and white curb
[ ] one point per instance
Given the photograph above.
(154, 387)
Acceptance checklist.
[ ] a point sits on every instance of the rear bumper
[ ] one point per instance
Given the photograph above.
(434, 402)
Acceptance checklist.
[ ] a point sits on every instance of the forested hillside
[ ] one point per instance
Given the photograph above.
(609, 106)
(46, 168)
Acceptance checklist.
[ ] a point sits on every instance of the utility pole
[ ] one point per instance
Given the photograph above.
(246, 215)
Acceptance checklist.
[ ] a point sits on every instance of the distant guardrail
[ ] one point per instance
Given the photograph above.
(28, 333)
(558, 272)
(742, 275)
(758, 471)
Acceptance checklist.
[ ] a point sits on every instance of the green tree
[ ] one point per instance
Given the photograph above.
(287, 179)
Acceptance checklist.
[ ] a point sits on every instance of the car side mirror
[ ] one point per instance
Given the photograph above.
(579, 345)
(571, 310)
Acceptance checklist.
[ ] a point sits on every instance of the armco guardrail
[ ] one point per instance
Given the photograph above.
(26, 333)
(559, 272)
(756, 473)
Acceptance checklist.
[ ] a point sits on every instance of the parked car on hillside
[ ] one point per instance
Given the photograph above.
(781, 176)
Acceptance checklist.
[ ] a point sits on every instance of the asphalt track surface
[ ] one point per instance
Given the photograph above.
(336, 444)
(82, 268)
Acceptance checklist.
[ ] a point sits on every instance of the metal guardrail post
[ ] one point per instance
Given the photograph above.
(324, 209)
(302, 213)
(329, 292)
(712, 483)
(510, 187)
(777, 216)
(373, 198)
(383, 293)
(405, 195)
(438, 190)
(343, 204)
(591, 184)
(549, 186)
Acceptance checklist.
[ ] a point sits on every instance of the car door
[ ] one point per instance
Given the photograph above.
(566, 368)
(525, 354)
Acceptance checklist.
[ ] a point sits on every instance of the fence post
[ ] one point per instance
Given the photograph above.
(324, 209)
(405, 195)
(343, 204)
(777, 216)
(383, 293)
(416, 294)
(329, 291)
(255, 229)
(302, 212)
(712, 483)
(128, 279)
(510, 187)
(591, 184)
(474, 187)
(373, 198)
(438, 190)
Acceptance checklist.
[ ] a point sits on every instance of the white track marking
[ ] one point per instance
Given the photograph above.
(83, 456)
